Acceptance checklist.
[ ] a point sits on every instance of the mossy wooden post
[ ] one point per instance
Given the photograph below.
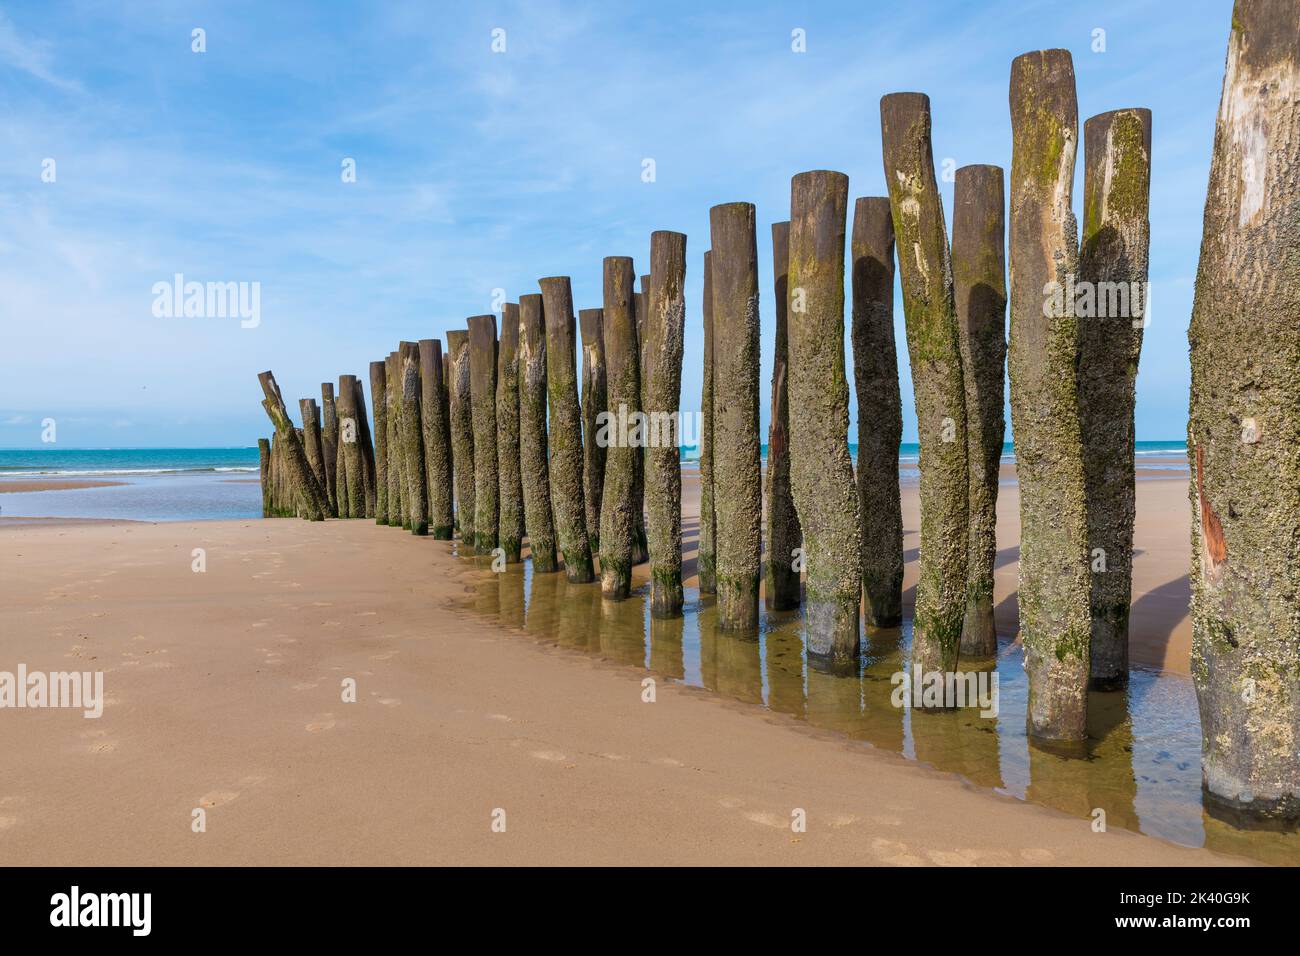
(641, 548)
(1244, 429)
(462, 436)
(618, 504)
(821, 471)
(311, 443)
(483, 405)
(1055, 620)
(352, 461)
(567, 499)
(412, 438)
(277, 468)
(980, 287)
(264, 470)
(1111, 311)
(706, 558)
(447, 376)
(661, 352)
(367, 450)
(433, 422)
(379, 396)
(510, 529)
(303, 481)
(398, 516)
(937, 386)
(534, 457)
(738, 498)
(784, 535)
(595, 402)
(880, 411)
(330, 445)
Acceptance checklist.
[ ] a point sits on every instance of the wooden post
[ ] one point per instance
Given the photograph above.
(483, 417)
(350, 455)
(311, 443)
(511, 524)
(622, 361)
(980, 287)
(784, 535)
(567, 498)
(1113, 267)
(706, 560)
(1055, 617)
(661, 362)
(594, 403)
(379, 395)
(330, 445)
(434, 425)
(738, 498)
(462, 435)
(411, 436)
(821, 471)
(534, 459)
(1244, 430)
(937, 385)
(367, 449)
(304, 482)
(398, 516)
(641, 547)
(264, 470)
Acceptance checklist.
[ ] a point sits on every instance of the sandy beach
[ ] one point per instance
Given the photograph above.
(223, 693)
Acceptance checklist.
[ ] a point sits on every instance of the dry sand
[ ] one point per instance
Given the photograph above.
(223, 693)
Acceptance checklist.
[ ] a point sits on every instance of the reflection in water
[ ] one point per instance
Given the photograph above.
(1142, 762)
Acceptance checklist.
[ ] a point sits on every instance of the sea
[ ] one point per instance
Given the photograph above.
(209, 484)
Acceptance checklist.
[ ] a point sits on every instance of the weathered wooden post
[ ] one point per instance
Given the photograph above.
(304, 482)
(784, 536)
(379, 396)
(567, 498)
(641, 549)
(277, 472)
(622, 362)
(594, 402)
(330, 445)
(398, 515)
(367, 450)
(821, 471)
(264, 470)
(880, 411)
(738, 498)
(1244, 429)
(661, 388)
(706, 559)
(311, 443)
(937, 386)
(534, 457)
(483, 399)
(511, 523)
(1111, 312)
(462, 435)
(980, 287)
(1055, 620)
(433, 422)
(412, 439)
(353, 462)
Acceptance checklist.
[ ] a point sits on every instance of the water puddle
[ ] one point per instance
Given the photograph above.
(1142, 766)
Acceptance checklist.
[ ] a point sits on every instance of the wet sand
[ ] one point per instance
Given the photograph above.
(14, 485)
(224, 693)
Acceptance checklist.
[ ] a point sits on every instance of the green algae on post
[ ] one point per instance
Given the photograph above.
(397, 514)
(483, 415)
(329, 444)
(619, 504)
(784, 535)
(706, 550)
(411, 436)
(641, 549)
(510, 530)
(594, 404)
(462, 435)
(308, 493)
(264, 471)
(311, 440)
(534, 457)
(437, 443)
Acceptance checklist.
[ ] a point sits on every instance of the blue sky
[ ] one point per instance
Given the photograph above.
(479, 170)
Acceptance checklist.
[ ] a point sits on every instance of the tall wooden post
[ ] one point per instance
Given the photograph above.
(350, 453)
(379, 396)
(483, 408)
(880, 411)
(398, 515)
(641, 548)
(1113, 267)
(706, 560)
(264, 470)
(821, 471)
(534, 457)
(980, 286)
(311, 442)
(784, 535)
(1055, 618)
(367, 449)
(462, 435)
(304, 482)
(567, 498)
(937, 385)
(412, 439)
(661, 361)
(330, 445)
(1243, 435)
(594, 402)
(622, 362)
(511, 524)
(738, 499)
(433, 420)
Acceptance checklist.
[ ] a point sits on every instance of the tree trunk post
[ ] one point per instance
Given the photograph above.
(350, 447)
(784, 535)
(738, 499)
(367, 450)
(462, 435)
(1244, 430)
(330, 445)
(300, 474)
(264, 470)
(980, 287)
(567, 498)
(398, 516)
(412, 438)
(483, 414)
(1055, 615)
(511, 524)
(821, 470)
(311, 438)
(433, 422)
(379, 396)
(706, 559)
(641, 548)
(534, 457)
(661, 360)
(623, 383)
(594, 406)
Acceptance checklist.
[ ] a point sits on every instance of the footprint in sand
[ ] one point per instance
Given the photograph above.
(1034, 855)
(894, 853)
(305, 686)
(216, 798)
(766, 819)
(390, 701)
(667, 762)
(953, 857)
(7, 822)
(383, 657)
(552, 755)
(842, 820)
(322, 722)
(731, 803)
(501, 717)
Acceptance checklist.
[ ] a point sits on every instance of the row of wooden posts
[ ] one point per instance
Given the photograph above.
(493, 437)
